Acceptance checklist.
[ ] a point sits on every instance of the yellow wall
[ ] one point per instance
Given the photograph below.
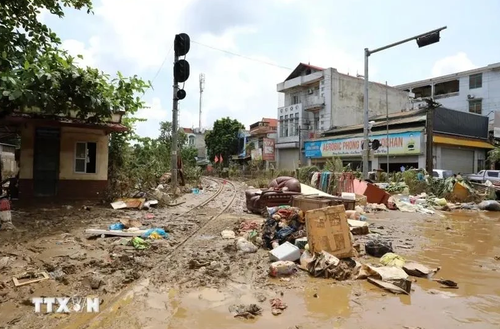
(69, 137)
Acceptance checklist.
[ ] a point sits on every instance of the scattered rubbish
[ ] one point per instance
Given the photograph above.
(246, 246)
(447, 283)
(286, 251)
(306, 259)
(139, 243)
(155, 233)
(391, 259)
(128, 203)
(378, 247)
(260, 297)
(228, 234)
(127, 222)
(401, 286)
(117, 227)
(277, 306)
(328, 266)
(103, 233)
(490, 205)
(148, 204)
(195, 190)
(301, 243)
(419, 270)
(95, 282)
(328, 230)
(149, 216)
(282, 268)
(249, 226)
(4, 261)
(175, 204)
(29, 278)
(358, 227)
(245, 311)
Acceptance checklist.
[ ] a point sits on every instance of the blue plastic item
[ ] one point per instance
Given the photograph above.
(195, 191)
(160, 231)
(116, 226)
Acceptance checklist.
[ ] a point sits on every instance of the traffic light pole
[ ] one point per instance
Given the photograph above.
(175, 129)
(423, 40)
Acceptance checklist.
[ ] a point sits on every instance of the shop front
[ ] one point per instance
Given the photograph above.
(405, 149)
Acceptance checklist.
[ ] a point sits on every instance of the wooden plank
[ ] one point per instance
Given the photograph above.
(44, 276)
(114, 232)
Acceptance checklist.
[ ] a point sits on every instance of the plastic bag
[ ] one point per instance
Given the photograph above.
(116, 227)
(280, 268)
(161, 232)
(392, 259)
(246, 246)
(378, 248)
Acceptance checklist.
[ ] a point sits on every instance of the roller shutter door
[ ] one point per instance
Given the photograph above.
(289, 159)
(457, 160)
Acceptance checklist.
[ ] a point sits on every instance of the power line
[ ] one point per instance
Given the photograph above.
(242, 56)
(163, 63)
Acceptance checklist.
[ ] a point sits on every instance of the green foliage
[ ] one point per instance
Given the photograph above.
(188, 156)
(305, 172)
(223, 138)
(334, 165)
(36, 75)
(494, 155)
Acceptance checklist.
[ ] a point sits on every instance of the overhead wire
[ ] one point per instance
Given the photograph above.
(242, 56)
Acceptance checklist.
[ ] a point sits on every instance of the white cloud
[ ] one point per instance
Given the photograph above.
(452, 64)
(75, 48)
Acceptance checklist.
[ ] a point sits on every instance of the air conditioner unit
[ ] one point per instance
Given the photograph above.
(471, 96)
(310, 91)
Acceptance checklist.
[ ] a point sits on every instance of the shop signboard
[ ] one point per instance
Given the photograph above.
(406, 143)
(268, 151)
(256, 154)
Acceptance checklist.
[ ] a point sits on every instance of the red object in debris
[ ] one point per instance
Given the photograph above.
(150, 216)
(224, 181)
(4, 204)
(373, 193)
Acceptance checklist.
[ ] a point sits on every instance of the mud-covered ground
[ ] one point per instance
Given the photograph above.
(194, 285)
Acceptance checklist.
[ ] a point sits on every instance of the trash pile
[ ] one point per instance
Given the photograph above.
(140, 235)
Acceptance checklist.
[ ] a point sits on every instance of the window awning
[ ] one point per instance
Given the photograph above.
(462, 142)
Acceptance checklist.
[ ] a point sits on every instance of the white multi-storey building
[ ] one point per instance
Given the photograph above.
(476, 91)
(317, 99)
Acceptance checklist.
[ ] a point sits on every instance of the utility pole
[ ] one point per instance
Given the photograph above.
(387, 127)
(202, 87)
(423, 40)
(429, 133)
(182, 44)
(175, 128)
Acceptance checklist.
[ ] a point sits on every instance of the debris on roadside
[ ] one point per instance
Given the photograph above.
(378, 247)
(419, 270)
(282, 268)
(246, 246)
(29, 278)
(277, 306)
(228, 234)
(245, 311)
(392, 259)
(447, 283)
(285, 252)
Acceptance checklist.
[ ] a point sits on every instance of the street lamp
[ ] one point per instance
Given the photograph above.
(423, 40)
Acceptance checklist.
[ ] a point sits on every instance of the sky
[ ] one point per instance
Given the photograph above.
(246, 47)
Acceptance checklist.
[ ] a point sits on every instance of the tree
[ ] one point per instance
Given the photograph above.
(166, 135)
(35, 74)
(223, 138)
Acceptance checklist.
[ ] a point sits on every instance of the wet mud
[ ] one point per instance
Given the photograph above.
(196, 286)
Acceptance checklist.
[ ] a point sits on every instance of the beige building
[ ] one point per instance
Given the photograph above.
(62, 157)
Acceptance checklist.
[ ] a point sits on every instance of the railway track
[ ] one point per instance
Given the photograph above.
(106, 315)
(222, 183)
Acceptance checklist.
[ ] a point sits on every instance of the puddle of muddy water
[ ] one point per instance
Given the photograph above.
(463, 244)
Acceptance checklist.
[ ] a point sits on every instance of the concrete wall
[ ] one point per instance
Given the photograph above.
(489, 92)
(69, 137)
(348, 99)
(8, 159)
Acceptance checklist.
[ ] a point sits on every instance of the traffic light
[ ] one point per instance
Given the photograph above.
(375, 144)
(181, 70)
(428, 39)
(182, 44)
(181, 94)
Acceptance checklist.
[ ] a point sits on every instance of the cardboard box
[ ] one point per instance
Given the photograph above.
(328, 230)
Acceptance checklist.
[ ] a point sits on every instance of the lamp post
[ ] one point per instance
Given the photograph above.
(423, 40)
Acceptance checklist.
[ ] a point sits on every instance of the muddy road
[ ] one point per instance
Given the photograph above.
(191, 279)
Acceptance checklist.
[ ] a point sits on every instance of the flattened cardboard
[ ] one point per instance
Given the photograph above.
(328, 230)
